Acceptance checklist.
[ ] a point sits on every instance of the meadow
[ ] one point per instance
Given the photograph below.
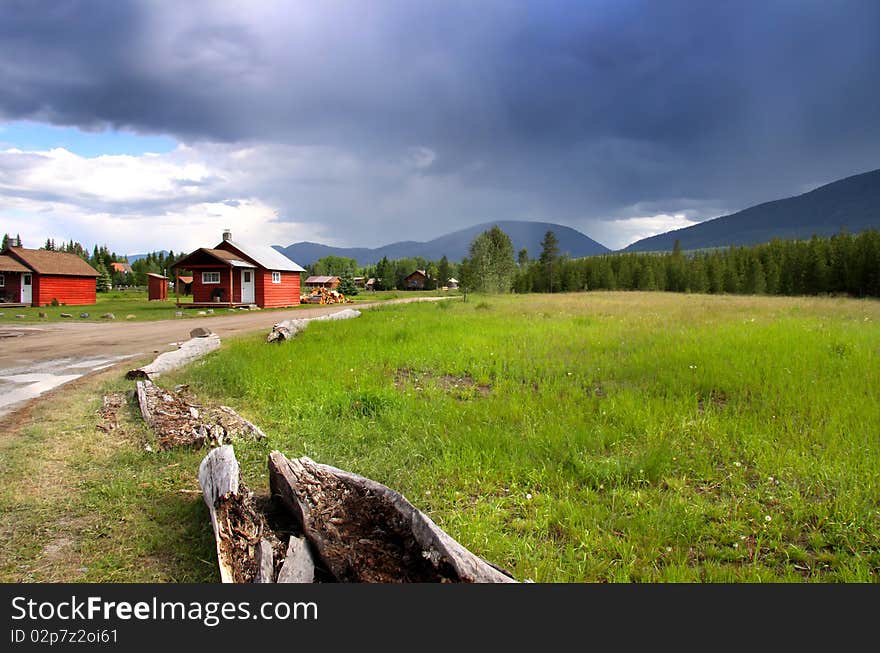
(597, 437)
(590, 437)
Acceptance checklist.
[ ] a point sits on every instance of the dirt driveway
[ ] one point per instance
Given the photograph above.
(35, 359)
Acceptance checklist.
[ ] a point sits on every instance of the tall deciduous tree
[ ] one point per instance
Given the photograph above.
(490, 266)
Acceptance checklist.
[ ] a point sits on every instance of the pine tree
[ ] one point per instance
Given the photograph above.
(103, 282)
(5, 242)
(549, 261)
(444, 272)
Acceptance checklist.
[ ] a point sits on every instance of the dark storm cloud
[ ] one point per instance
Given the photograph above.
(585, 109)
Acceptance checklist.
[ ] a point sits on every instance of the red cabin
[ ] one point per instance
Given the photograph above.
(37, 277)
(157, 287)
(233, 274)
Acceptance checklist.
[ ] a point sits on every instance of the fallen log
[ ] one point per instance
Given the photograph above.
(298, 567)
(288, 329)
(178, 421)
(247, 548)
(191, 350)
(363, 531)
(144, 403)
(218, 478)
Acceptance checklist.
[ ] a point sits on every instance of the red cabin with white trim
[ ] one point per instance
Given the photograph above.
(234, 274)
(37, 277)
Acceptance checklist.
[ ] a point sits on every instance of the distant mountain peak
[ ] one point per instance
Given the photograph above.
(523, 233)
(851, 204)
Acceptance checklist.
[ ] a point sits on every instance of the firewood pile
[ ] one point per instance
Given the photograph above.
(326, 296)
(339, 527)
(179, 421)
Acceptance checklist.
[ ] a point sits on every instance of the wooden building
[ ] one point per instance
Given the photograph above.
(46, 277)
(416, 281)
(237, 274)
(157, 287)
(330, 283)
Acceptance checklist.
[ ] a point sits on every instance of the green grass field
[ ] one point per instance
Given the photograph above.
(575, 438)
(598, 437)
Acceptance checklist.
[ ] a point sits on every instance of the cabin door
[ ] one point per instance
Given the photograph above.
(247, 287)
(27, 289)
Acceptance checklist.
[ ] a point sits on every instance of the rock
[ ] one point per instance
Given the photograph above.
(108, 316)
(210, 311)
(84, 315)
(202, 313)
(178, 314)
(131, 317)
(66, 315)
(201, 332)
(43, 315)
(20, 317)
(2, 314)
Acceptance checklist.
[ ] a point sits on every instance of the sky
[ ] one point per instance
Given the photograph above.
(156, 124)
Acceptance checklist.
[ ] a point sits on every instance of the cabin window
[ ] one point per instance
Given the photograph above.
(210, 277)
(276, 277)
(2, 281)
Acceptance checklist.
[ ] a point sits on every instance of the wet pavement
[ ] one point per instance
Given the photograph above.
(28, 381)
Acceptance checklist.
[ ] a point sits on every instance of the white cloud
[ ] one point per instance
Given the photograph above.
(180, 200)
(625, 231)
(273, 194)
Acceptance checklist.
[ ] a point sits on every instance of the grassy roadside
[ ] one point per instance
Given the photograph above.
(601, 437)
(135, 304)
(79, 504)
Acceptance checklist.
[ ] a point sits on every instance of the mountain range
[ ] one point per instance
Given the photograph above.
(851, 204)
(454, 246)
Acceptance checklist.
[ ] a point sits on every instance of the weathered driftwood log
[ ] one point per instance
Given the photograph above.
(188, 351)
(144, 403)
(288, 329)
(363, 531)
(178, 421)
(265, 560)
(218, 478)
(255, 430)
(298, 566)
(345, 314)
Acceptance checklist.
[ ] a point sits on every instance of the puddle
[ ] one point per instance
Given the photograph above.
(27, 382)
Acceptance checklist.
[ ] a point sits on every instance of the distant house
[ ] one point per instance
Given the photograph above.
(36, 277)
(416, 280)
(121, 268)
(452, 284)
(235, 274)
(360, 282)
(330, 283)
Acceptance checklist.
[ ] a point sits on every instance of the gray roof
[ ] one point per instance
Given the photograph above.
(268, 257)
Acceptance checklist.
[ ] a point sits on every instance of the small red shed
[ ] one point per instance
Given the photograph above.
(236, 274)
(157, 287)
(48, 276)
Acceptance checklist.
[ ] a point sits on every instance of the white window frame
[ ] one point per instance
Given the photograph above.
(276, 277)
(205, 278)
(2, 280)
